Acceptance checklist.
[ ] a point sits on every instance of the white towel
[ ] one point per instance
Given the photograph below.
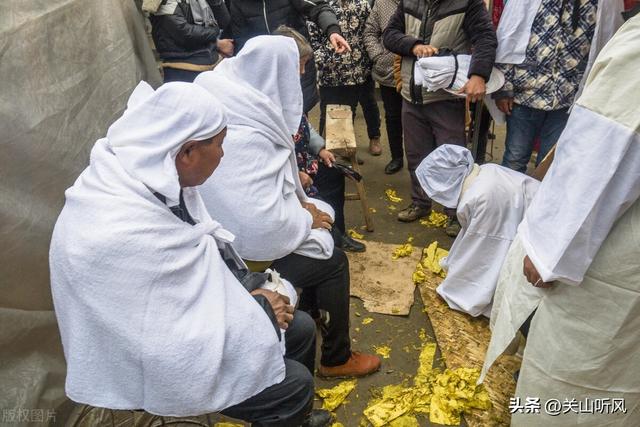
(150, 316)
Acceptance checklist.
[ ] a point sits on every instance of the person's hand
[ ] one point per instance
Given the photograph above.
(225, 47)
(305, 180)
(424, 50)
(505, 105)
(320, 219)
(339, 44)
(327, 157)
(475, 88)
(280, 306)
(532, 275)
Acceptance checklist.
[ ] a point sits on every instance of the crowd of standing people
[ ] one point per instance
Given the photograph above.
(213, 259)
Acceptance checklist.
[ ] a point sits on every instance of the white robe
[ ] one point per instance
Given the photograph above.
(581, 232)
(489, 212)
(256, 191)
(149, 314)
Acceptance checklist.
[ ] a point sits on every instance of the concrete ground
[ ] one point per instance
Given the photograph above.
(398, 332)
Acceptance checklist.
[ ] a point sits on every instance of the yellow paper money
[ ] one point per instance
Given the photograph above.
(354, 234)
(392, 196)
(335, 396)
(445, 396)
(367, 320)
(383, 350)
(435, 219)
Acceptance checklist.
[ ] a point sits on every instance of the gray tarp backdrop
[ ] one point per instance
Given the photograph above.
(66, 70)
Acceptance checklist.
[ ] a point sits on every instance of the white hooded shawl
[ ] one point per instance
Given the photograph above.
(256, 192)
(150, 316)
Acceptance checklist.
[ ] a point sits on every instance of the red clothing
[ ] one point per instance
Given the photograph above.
(498, 7)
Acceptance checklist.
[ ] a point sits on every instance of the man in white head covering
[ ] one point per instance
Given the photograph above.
(152, 301)
(275, 224)
(580, 241)
(490, 201)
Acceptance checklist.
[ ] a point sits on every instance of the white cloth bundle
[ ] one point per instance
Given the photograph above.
(150, 316)
(437, 72)
(256, 192)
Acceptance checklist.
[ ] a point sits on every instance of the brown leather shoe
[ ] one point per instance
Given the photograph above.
(375, 149)
(358, 365)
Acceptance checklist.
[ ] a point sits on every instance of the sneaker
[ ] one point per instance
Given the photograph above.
(358, 365)
(412, 213)
(453, 227)
(351, 245)
(393, 166)
(374, 146)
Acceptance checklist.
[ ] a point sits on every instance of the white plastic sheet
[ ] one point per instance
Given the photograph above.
(67, 68)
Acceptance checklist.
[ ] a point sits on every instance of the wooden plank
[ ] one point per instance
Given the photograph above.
(463, 341)
(362, 193)
(340, 135)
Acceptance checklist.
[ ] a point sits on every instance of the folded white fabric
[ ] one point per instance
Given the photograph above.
(319, 243)
(438, 72)
(283, 287)
(256, 191)
(149, 314)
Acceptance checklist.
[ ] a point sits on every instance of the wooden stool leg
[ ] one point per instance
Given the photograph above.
(362, 193)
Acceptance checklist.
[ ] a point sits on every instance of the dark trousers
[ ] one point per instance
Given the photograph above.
(392, 102)
(426, 127)
(325, 287)
(330, 185)
(370, 110)
(351, 95)
(175, 75)
(288, 402)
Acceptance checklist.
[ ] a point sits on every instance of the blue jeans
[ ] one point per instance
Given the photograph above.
(524, 124)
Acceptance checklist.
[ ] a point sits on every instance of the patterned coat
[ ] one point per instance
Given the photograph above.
(382, 59)
(351, 68)
(556, 56)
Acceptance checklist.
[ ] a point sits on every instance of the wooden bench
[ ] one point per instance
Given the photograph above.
(340, 139)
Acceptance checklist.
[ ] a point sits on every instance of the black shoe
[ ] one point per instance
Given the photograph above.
(318, 418)
(393, 166)
(351, 245)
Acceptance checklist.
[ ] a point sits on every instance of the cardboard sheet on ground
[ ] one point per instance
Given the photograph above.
(463, 342)
(384, 284)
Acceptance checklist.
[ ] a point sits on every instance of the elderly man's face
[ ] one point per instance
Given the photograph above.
(197, 160)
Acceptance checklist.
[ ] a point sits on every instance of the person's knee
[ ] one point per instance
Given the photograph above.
(339, 260)
(300, 382)
(303, 327)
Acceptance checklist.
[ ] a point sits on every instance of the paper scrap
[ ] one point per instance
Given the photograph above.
(335, 396)
(367, 320)
(225, 424)
(383, 350)
(392, 196)
(403, 250)
(442, 395)
(354, 234)
(431, 257)
(435, 219)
